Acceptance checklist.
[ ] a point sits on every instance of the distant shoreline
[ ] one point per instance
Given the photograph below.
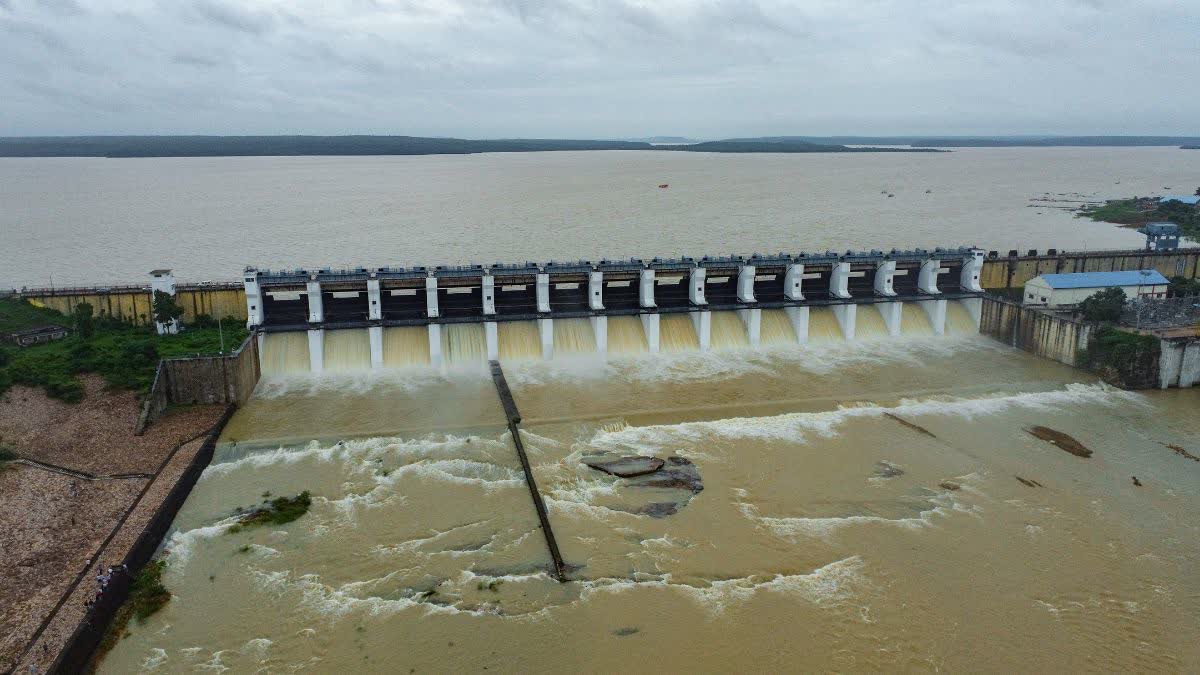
(359, 146)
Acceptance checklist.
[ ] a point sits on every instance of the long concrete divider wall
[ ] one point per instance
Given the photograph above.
(131, 303)
(203, 379)
(1037, 332)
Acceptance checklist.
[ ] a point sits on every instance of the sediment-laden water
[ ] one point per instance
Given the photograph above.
(861, 510)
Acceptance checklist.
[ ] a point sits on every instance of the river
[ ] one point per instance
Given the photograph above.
(875, 505)
(86, 221)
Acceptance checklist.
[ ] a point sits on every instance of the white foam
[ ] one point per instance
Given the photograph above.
(181, 544)
(831, 583)
(154, 660)
(794, 426)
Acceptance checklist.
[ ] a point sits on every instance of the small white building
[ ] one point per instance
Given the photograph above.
(1057, 290)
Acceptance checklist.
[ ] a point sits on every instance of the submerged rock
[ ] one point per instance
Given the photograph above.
(625, 467)
(949, 485)
(629, 630)
(1060, 439)
(886, 469)
(677, 473)
(1028, 482)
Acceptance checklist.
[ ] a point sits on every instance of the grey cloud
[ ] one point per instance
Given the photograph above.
(599, 68)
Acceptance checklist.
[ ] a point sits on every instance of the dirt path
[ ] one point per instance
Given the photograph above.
(53, 522)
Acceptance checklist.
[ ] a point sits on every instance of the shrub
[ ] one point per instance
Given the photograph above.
(1103, 305)
(85, 325)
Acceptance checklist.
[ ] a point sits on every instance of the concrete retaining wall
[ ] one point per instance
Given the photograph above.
(132, 304)
(1001, 273)
(1179, 364)
(203, 379)
(1036, 332)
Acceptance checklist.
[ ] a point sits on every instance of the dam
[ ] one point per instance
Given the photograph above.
(346, 320)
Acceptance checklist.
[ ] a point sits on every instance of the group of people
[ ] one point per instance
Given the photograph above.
(102, 581)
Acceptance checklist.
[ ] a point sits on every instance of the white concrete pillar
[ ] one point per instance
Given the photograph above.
(255, 313)
(646, 289)
(163, 281)
(491, 337)
(753, 320)
(489, 295)
(792, 279)
(376, 335)
(435, 343)
(745, 283)
(696, 286)
(1189, 366)
(975, 309)
(883, 278)
(316, 308)
(596, 291)
(936, 311)
(972, 267)
(846, 315)
(892, 313)
(543, 293)
(799, 318)
(650, 327)
(261, 338)
(546, 333)
(702, 322)
(600, 330)
(839, 281)
(374, 304)
(927, 277)
(431, 300)
(316, 350)
(1170, 362)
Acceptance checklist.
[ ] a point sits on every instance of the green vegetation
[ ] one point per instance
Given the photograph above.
(278, 511)
(1115, 348)
(1139, 211)
(1183, 286)
(125, 356)
(147, 595)
(165, 308)
(1103, 305)
(7, 454)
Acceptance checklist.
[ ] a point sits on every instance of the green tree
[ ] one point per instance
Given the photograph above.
(85, 325)
(1103, 305)
(1183, 286)
(166, 309)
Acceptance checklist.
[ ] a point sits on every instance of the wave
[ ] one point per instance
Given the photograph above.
(794, 426)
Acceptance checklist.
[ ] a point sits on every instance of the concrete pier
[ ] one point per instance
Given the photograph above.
(702, 323)
(936, 311)
(542, 282)
(546, 335)
(892, 313)
(650, 324)
(646, 289)
(745, 283)
(839, 281)
(696, 286)
(316, 350)
(374, 307)
(793, 280)
(799, 319)
(600, 330)
(596, 291)
(846, 317)
(435, 345)
(491, 339)
(375, 333)
(316, 311)
(884, 275)
(431, 297)
(752, 319)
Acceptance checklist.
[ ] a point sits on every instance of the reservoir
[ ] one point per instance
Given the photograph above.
(87, 221)
(866, 505)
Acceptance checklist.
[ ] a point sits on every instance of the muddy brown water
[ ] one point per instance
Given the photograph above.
(421, 550)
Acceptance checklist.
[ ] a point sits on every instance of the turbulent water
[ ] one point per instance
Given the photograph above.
(86, 221)
(861, 510)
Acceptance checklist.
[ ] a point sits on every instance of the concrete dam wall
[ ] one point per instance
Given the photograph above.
(131, 303)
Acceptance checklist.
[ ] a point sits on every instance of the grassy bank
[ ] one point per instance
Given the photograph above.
(147, 595)
(1128, 212)
(125, 356)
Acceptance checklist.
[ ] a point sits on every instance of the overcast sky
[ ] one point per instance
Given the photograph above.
(599, 68)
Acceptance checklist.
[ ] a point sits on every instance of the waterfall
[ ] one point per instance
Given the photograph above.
(869, 323)
(958, 319)
(347, 350)
(464, 343)
(626, 335)
(519, 340)
(914, 321)
(285, 353)
(728, 331)
(676, 333)
(573, 336)
(777, 328)
(823, 326)
(407, 346)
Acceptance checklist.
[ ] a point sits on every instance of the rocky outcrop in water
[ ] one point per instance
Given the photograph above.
(1063, 441)
(625, 467)
(651, 486)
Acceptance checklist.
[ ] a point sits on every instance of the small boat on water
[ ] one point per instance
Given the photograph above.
(664, 186)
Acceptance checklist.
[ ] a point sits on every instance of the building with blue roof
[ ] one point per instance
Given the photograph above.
(1058, 290)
